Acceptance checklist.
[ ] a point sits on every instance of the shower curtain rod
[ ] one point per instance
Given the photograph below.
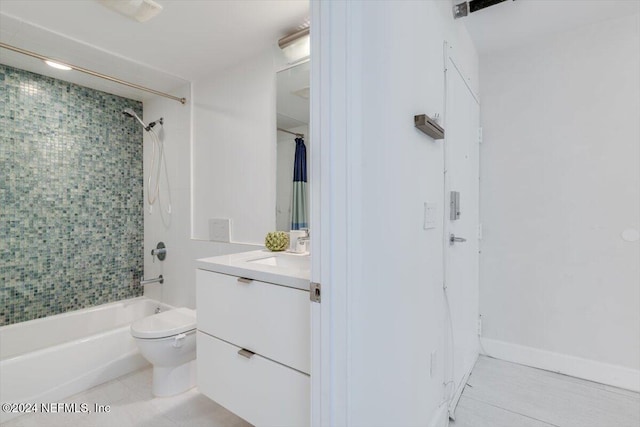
(301, 135)
(92, 73)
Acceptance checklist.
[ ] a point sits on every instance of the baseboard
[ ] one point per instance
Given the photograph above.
(604, 373)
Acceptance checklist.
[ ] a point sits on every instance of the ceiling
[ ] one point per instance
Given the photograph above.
(36, 39)
(188, 39)
(516, 23)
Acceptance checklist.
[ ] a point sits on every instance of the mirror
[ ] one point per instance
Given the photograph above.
(292, 199)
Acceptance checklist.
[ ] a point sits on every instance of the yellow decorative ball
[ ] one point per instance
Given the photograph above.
(277, 241)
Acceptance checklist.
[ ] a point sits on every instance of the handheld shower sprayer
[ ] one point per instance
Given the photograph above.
(153, 192)
(129, 112)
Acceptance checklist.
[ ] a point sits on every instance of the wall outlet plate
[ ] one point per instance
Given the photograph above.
(220, 230)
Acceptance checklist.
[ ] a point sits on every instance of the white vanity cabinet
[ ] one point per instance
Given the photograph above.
(253, 348)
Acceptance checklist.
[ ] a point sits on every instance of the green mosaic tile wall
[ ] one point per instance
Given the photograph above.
(71, 202)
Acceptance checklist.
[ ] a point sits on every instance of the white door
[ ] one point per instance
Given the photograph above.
(461, 256)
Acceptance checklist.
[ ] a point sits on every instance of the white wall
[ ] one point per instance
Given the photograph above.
(560, 182)
(382, 271)
(178, 269)
(234, 151)
(220, 151)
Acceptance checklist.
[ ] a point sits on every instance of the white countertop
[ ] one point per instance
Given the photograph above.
(281, 268)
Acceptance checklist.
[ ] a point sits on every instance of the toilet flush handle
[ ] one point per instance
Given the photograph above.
(178, 340)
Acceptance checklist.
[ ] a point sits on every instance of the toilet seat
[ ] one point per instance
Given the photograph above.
(162, 325)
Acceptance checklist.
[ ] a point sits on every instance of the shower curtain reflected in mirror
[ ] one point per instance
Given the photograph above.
(299, 197)
(292, 124)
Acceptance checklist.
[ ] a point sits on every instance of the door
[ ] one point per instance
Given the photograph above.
(461, 230)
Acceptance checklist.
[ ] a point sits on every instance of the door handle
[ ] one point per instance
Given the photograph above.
(453, 239)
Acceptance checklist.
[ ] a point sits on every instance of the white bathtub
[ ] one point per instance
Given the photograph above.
(49, 359)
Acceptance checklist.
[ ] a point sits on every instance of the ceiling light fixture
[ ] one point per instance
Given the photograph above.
(57, 65)
(296, 46)
(140, 10)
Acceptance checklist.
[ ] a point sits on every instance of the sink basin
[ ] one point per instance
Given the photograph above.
(282, 268)
(283, 261)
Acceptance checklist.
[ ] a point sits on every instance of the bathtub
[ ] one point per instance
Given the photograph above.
(49, 359)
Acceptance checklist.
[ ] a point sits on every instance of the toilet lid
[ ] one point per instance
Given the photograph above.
(172, 322)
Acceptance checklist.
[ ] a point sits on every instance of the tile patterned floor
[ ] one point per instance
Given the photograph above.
(503, 394)
(131, 404)
(498, 394)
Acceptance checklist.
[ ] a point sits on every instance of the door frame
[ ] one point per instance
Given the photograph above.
(335, 201)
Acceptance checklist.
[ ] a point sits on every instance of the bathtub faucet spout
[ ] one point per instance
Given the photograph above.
(158, 279)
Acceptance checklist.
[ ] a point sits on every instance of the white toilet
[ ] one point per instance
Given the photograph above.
(168, 341)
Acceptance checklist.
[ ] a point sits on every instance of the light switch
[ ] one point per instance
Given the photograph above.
(430, 215)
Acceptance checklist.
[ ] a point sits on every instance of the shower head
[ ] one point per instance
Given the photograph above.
(129, 112)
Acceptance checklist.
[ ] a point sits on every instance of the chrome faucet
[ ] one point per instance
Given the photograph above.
(158, 279)
(156, 252)
(306, 237)
(159, 252)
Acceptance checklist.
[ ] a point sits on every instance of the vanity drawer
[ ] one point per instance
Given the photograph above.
(259, 390)
(268, 319)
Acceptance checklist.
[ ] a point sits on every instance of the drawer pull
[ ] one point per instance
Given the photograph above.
(245, 353)
(244, 280)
